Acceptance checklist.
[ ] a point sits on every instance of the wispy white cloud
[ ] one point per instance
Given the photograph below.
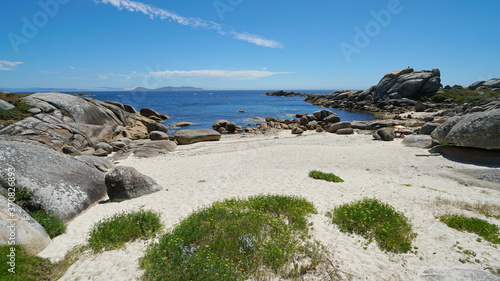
(212, 73)
(204, 73)
(76, 68)
(155, 12)
(9, 65)
(107, 76)
(48, 72)
(257, 40)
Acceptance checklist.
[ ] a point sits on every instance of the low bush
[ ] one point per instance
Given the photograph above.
(235, 240)
(462, 96)
(325, 176)
(488, 231)
(113, 232)
(373, 219)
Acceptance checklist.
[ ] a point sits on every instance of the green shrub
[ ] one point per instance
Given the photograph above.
(32, 268)
(20, 110)
(235, 240)
(488, 231)
(373, 219)
(324, 176)
(462, 96)
(113, 232)
(53, 225)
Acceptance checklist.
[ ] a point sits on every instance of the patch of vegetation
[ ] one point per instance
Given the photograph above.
(488, 231)
(373, 219)
(113, 232)
(53, 225)
(325, 176)
(462, 96)
(33, 268)
(20, 110)
(488, 210)
(237, 239)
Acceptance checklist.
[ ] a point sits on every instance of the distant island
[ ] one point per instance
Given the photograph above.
(169, 88)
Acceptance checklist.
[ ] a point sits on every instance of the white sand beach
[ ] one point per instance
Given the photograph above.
(199, 174)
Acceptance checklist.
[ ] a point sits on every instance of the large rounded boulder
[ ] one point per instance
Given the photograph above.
(18, 226)
(59, 183)
(126, 183)
(196, 135)
(480, 129)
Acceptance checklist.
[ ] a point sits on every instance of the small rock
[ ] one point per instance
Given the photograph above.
(157, 135)
(332, 118)
(297, 131)
(100, 152)
(337, 126)
(384, 134)
(70, 150)
(428, 128)
(35, 110)
(148, 112)
(420, 107)
(181, 124)
(105, 146)
(164, 116)
(345, 131)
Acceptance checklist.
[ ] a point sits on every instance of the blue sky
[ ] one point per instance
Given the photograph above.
(243, 44)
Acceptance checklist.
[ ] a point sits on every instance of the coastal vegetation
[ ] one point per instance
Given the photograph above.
(33, 268)
(375, 220)
(461, 95)
(236, 239)
(20, 110)
(490, 232)
(52, 224)
(324, 176)
(486, 209)
(113, 232)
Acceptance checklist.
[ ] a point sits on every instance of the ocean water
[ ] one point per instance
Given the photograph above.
(203, 108)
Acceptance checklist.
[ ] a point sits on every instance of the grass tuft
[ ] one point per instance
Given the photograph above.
(33, 268)
(373, 219)
(235, 240)
(325, 176)
(488, 231)
(53, 225)
(113, 232)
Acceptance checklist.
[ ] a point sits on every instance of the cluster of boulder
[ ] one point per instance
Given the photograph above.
(62, 185)
(396, 91)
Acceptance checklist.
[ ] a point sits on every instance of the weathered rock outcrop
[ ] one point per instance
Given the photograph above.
(126, 183)
(407, 83)
(61, 184)
(66, 120)
(493, 84)
(28, 232)
(479, 129)
(196, 135)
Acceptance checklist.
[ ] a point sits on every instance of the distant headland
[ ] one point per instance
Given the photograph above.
(169, 88)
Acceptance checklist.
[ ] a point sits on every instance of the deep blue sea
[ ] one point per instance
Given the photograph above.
(205, 107)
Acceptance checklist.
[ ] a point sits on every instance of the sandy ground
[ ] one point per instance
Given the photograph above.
(202, 173)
